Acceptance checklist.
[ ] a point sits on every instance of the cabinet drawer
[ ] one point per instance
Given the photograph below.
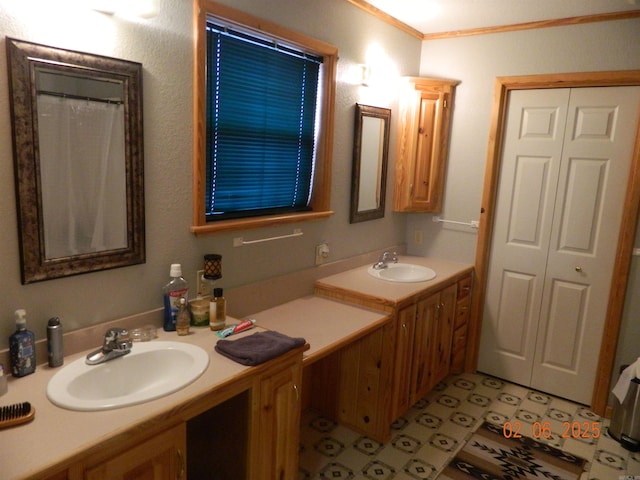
(462, 314)
(464, 288)
(459, 339)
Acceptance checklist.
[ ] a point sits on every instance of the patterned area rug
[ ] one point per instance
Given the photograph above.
(488, 455)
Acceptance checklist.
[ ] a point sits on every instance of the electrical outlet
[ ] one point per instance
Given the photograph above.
(417, 236)
(322, 253)
(203, 285)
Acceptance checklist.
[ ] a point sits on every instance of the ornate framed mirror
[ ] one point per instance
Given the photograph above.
(78, 159)
(370, 158)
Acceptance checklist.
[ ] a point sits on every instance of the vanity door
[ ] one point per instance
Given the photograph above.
(162, 457)
(406, 324)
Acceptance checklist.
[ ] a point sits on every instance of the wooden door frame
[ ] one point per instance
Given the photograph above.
(503, 85)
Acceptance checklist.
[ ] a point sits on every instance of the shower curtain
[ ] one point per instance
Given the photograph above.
(83, 175)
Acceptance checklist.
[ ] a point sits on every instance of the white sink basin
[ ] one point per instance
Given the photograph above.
(403, 273)
(151, 370)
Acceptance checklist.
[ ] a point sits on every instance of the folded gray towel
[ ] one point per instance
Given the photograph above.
(257, 348)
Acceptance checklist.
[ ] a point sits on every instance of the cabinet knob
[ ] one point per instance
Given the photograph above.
(578, 268)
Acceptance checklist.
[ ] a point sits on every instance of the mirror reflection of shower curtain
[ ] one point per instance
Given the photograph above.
(83, 176)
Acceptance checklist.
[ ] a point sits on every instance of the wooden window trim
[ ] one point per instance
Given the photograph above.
(321, 197)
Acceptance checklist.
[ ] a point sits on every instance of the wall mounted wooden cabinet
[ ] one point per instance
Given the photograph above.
(423, 138)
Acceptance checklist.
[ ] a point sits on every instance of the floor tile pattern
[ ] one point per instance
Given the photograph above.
(436, 427)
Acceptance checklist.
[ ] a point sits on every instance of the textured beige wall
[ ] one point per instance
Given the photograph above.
(163, 44)
(477, 61)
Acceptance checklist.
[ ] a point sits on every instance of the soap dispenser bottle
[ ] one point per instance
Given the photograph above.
(22, 347)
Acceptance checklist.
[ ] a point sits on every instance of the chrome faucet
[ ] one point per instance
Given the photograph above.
(116, 343)
(384, 259)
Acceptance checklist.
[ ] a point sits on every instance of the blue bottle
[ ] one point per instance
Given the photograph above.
(22, 347)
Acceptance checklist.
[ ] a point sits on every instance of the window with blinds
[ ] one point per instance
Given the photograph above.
(261, 115)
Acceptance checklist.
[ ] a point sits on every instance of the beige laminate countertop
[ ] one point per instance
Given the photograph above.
(57, 434)
(387, 293)
(325, 324)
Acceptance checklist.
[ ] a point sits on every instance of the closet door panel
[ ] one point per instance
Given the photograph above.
(534, 136)
(596, 159)
(566, 323)
(514, 315)
(581, 217)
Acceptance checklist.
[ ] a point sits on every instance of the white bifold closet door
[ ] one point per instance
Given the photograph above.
(566, 159)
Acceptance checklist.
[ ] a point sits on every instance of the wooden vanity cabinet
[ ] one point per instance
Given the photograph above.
(420, 338)
(423, 139)
(246, 431)
(158, 458)
(351, 385)
(276, 420)
(423, 355)
(406, 326)
(62, 475)
(365, 373)
(460, 325)
(441, 311)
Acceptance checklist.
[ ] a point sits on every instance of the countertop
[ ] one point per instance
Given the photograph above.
(57, 434)
(326, 325)
(392, 294)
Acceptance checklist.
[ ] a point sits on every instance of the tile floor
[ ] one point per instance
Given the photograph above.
(432, 431)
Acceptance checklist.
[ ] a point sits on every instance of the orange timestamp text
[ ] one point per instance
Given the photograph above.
(576, 430)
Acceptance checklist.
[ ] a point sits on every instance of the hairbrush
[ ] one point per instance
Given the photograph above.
(11, 415)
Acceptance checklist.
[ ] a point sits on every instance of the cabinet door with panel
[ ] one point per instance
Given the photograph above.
(433, 330)
(161, 457)
(405, 334)
(424, 345)
(443, 331)
(423, 138)
(278, 417)
(365, 372)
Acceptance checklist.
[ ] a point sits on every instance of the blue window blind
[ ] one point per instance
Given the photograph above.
(261, 115)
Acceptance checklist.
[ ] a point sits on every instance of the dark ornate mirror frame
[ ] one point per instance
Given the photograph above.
(23, 59)
(384, 114)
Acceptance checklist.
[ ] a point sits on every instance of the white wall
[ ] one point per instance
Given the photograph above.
(476, 61)
(163, 45)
